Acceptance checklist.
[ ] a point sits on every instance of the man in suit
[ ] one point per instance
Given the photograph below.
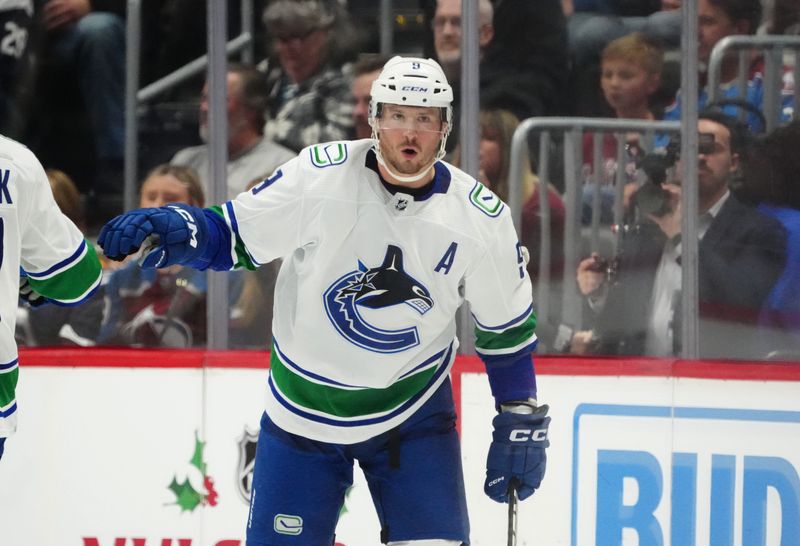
(741, 255)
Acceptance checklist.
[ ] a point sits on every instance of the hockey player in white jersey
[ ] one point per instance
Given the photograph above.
(42, 256)
(381, 242)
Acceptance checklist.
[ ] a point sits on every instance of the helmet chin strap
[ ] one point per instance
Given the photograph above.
(407, 179)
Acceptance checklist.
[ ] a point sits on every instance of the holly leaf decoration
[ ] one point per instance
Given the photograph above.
(197, 458)
(185, 495)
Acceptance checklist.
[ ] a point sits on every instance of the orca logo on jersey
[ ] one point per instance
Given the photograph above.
(376, 288)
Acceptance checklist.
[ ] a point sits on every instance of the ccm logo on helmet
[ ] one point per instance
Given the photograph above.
(525, 434)
(414, 88)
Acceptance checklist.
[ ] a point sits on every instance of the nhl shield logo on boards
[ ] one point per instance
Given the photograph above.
(247, 460)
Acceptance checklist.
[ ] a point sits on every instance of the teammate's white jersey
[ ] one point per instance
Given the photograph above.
(365, 302)
(36, 240)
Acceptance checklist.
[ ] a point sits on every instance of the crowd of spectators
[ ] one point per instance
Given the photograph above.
(62, 73)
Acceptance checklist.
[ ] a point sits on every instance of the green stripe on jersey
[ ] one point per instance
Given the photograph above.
(8, 382)
(71, 284)
(508, 339)
(345, 402)
(242, 259)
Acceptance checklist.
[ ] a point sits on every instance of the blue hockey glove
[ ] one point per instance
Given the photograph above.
(173, 234)
(517, 452)
(2, 441)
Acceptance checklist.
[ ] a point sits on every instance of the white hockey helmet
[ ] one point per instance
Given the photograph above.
(411, 81)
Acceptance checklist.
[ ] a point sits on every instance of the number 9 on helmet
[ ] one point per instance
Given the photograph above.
(412, 81)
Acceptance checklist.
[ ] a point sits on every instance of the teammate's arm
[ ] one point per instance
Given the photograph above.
(255, 228)
(57, 261)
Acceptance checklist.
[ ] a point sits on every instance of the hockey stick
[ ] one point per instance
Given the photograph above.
(513, 502)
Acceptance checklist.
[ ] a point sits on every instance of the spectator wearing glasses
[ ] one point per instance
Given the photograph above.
(446, 26)
(522, 51)
(312, 41)
(741, 255)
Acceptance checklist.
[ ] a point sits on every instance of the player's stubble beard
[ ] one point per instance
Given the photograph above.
(418, 165)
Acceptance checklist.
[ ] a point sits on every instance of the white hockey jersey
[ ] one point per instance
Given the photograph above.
(38, 241)
(365, 302)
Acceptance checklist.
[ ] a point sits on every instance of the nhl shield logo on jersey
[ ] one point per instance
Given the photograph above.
(376, 288)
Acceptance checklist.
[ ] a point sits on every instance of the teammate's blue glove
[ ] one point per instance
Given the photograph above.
(173, 234)
(517, 452)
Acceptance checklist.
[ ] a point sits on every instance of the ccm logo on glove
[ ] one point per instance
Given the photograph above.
(189, 222)
(523, 435)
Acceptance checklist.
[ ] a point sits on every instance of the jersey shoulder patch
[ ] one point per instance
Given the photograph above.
(485, 200)
(328, 154)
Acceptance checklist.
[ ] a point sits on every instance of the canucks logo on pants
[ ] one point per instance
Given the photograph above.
(376, 288)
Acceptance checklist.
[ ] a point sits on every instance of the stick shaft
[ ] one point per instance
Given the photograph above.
(513, 502)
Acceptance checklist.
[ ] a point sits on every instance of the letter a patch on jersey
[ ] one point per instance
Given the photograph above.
(485, 200)
(447, 260)
(327, 155)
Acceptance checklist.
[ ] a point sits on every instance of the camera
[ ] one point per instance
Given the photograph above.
(651, 198)
(606, 266)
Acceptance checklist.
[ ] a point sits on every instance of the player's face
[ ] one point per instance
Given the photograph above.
(160, 189)
(626, 86)
(713, 25)
(362, 86)
(409, 137)
(447, 30)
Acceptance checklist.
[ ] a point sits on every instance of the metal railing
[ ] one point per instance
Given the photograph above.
(773, 49)
(214, 62)
(135, 97)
